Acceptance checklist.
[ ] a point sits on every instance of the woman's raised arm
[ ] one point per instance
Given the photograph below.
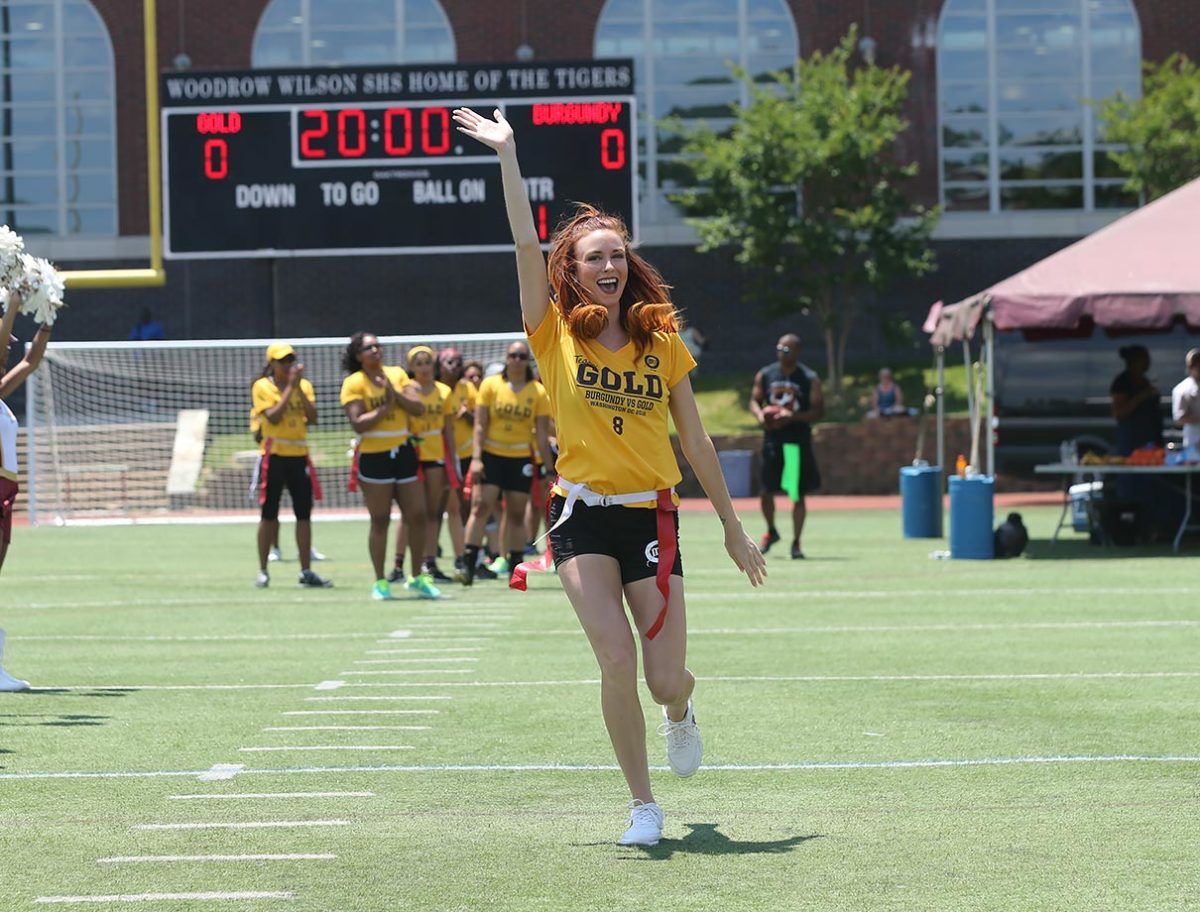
(531, 265)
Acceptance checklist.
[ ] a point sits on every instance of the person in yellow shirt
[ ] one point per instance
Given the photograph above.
(512, 408)
(379, 399)
(601, 321)
(432, 433)
(463, 393)
(284, 405)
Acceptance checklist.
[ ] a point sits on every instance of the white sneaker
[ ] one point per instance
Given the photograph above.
(9, 684)
(685, 747)
(262, 581)
(314, 554)
(274, 555)
(645, 824)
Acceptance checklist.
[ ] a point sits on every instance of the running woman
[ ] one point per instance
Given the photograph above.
(602, 324)
(284, 405)
(378, 400)
(511, 409)
(9, 382)
(433, 435)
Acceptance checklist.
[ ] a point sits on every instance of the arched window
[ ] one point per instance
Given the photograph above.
(682, 50)
(336, 33)
(57, 119)
(1015, 77)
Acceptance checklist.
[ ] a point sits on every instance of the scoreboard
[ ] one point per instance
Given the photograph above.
(367, 160)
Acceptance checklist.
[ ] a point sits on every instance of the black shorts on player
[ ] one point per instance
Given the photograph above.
(395, 466)
(289, 472)
(508, 473)
(627, 534)
(772, 467)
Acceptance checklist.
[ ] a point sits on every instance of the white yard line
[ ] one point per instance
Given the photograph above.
(164, 897)
(246, 825)
(330, 699)
(139, 859)
(327, 747)
(236, 796)
(409, 671)
(237, 637)
(362, 712)
(452, 649)
(443, 639)
(932, 763)
(415, 661)
(222, 772)
(345, 728)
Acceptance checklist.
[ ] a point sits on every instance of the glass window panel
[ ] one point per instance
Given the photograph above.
(352, 47)
(675, 174)
(31, 221)
(36, 190)
(277, 49)
(1115, 196)
(965, 98)
(1062, 197)
(32, 53)
(620, 40)
(1054, 31)
(30, 85)
(423, 12)
(1033, 97)
(1114, 30)
(622, 9)
(30, 154)
(1103, 166)
(1029, 165)
(82, 19)
(86, 51)
(89, 153)
(964, 131)
(967, 199)
(765, 71)
(91, 187)
(695, 38)
(24, 18)
(280, 14)
(772, 39)
(1049, 130)
(965, 166)
(1040, 62)
(663, 10)
(685, 71)
(711, 101)
(94, 85)
(28, 122)
(1004, 7)
(1129, 85)
(964, 36)
(768, 9)
(960, 7)
(963, 66)
(427, 45)
(370, 13)
(92, 220)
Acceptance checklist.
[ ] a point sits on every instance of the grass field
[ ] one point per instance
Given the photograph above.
(884, 732)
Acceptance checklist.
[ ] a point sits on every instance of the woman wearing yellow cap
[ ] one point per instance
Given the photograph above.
(284, 405)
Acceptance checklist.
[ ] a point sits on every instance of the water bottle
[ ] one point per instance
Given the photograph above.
(1067, 453)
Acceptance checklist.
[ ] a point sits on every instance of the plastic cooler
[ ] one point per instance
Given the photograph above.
(1082, 496)
(921, 501)
(736, 467)
(971, 518)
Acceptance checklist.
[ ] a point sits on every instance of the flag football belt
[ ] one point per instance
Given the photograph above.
(265, 465)
(668, 546)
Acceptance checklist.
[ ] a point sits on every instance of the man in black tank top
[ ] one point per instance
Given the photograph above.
(787, 399)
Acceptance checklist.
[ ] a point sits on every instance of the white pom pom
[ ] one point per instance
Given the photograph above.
(41, 289)
(11, 267)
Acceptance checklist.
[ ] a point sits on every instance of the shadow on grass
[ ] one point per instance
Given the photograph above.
(1082, 549)
(706, 839)
(61, 721)
(79, 692)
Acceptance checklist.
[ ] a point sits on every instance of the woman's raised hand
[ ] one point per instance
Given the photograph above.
(496, 134)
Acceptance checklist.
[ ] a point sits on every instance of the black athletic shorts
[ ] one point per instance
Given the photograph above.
(395, 466)
(772, 467)
(508, 473)
(289, 472)
(628, 534)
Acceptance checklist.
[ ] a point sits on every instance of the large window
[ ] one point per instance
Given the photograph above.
(1015, 77)
(682, 50)
(57, 119)
(337, 33)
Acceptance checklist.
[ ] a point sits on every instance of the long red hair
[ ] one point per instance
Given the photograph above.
(646, 305)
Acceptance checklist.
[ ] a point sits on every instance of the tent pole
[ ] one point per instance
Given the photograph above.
(989, 346)
(939, 393)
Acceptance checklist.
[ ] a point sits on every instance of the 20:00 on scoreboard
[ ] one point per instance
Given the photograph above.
(359, 177)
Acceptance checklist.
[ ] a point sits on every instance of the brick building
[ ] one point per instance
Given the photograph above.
(997, 125)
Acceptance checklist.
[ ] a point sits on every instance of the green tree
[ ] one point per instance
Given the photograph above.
(806, 188)
(1160, 130)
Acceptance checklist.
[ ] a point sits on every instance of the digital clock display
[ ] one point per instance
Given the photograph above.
(269, 175)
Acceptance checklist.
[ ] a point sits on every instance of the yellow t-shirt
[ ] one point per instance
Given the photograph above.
(610, 413)
(289, 435)
(392, 431)
(429, 426)
(464, 428)
(512, 416)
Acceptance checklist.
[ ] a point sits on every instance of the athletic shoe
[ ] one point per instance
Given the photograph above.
(484, 572)
(769, 538)
(396, 576)
(423, 586)
(434, 572)
(500, 567)
(685, 747)
(382, 592)
(314, 554)
(312, 581)
(797, 554)
(645, 824)
(460, 572)
(274, 555)
(9, 684)
(263, 580)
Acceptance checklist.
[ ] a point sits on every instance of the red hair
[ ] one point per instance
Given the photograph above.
(646, 305)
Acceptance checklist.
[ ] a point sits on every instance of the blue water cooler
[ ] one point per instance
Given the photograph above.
(921, 501)
(971, 518)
